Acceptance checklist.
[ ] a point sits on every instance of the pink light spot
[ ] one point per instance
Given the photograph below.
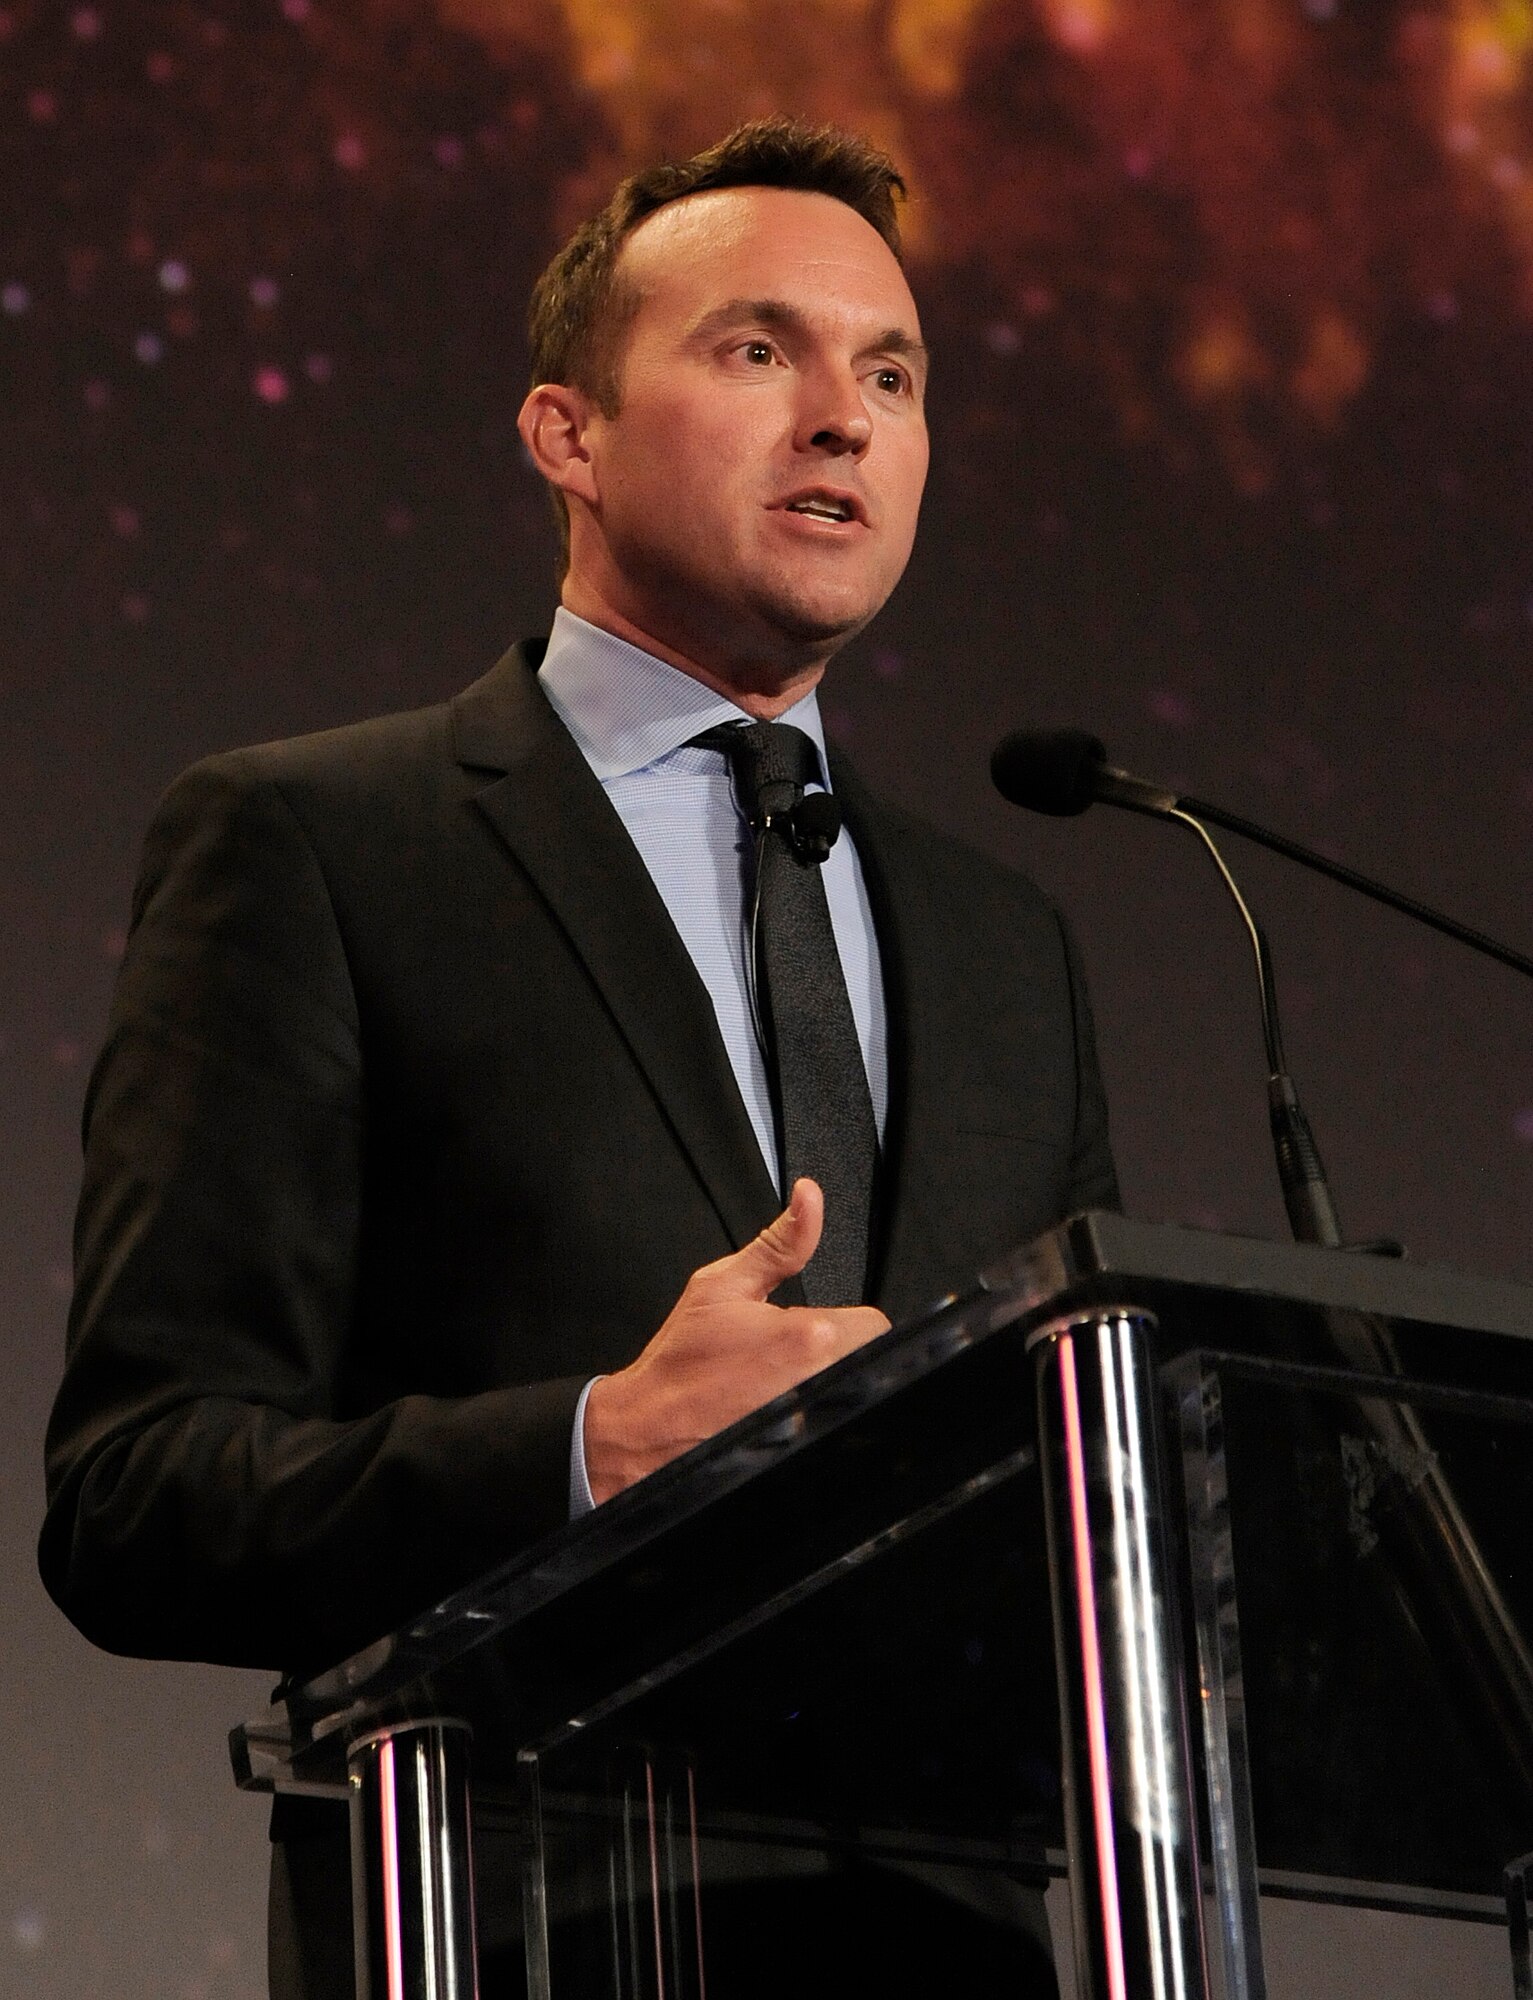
(270, 384)
(349, 153)
(97, 394)
(135, 608)
(448, 151)
(174, 276)
(318, 367)
(296, 10)
(1137, 162)
(85, 24)
(161, 67)
(42, 107)
(264, 292)
(887, 664)
(1522, 1124)
(149, 348)
(7, 24)
(125, 521)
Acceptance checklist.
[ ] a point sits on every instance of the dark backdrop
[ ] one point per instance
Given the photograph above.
(1233, 410)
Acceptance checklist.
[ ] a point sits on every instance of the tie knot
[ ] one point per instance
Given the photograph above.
(772, 763)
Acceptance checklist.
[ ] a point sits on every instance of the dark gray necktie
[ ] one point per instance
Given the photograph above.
(819, 1084)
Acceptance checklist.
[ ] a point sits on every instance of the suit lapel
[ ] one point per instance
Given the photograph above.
(551, 812)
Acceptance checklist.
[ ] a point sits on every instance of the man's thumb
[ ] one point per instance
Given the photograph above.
(782, 1249)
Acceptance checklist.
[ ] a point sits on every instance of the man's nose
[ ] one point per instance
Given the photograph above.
(834, 418)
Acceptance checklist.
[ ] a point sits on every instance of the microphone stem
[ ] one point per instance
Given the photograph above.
(1306, 1191)
(1272, 1033)
(1364, 884)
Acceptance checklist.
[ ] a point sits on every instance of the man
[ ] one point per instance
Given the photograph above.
(442, 1167)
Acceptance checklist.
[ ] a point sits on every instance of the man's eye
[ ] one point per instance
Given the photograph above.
(758, 352)
(891, 380)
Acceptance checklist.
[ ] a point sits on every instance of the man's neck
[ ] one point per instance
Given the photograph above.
(764, 692)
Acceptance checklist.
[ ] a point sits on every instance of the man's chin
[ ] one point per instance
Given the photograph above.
(816, 625)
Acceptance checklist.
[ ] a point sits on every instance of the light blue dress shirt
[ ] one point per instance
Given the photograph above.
(632, 717)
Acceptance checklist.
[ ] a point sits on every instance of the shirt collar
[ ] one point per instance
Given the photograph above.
(626, 709)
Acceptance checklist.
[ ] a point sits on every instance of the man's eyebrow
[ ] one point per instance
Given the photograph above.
(895, 340)
(748, 312)
(779, 315)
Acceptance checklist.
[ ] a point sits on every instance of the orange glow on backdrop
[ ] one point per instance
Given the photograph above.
(1228, 200)
(1223, 221)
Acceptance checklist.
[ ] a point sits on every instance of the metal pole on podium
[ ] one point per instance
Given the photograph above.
(1130, 1811)
(412, 1882)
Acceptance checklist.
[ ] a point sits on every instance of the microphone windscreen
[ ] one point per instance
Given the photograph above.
(1048, 770)
(813, 825)
(817, 816)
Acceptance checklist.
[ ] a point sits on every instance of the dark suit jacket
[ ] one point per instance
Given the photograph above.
(414, 1114)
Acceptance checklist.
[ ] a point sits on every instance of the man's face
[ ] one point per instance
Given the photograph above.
(755, 497)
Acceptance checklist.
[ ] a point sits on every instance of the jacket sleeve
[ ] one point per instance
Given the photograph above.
(207, 1498)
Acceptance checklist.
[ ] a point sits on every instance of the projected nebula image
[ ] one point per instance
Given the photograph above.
(1238, 200)
(264, 267)
(1231, 304)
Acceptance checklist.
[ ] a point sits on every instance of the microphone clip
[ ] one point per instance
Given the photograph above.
(810, 827)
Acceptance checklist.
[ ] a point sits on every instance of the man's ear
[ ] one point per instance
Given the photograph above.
(553, 423)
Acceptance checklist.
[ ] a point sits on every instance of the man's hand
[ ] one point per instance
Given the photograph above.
(722, 1352)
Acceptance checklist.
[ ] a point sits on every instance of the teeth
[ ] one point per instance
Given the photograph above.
(822, 510)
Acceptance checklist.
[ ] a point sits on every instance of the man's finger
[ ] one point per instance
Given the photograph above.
(782, 1249)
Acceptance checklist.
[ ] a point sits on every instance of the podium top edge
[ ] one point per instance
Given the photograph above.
(1099, 1250)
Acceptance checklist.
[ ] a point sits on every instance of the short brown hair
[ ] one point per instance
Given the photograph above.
(579, 312)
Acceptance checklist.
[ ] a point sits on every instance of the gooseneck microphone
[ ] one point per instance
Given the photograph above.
(1448, 1578)
(1062, 772)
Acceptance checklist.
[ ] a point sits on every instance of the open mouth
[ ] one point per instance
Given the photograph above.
(822, 507)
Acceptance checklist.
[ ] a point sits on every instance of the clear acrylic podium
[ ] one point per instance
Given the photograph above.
(1199, 1567)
